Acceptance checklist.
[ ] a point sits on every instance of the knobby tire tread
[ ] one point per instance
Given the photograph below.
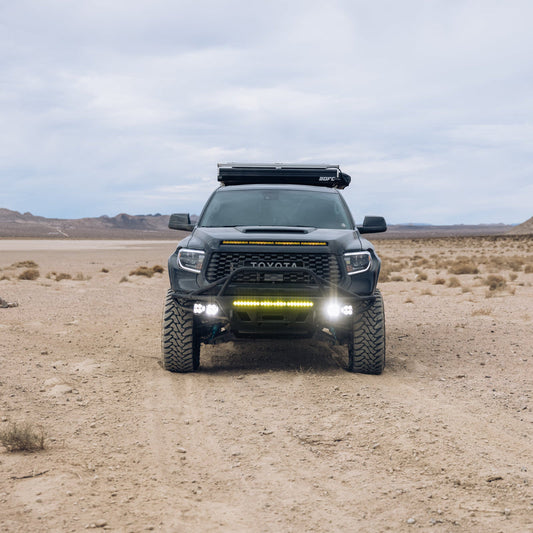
(180, 344)
(367, 347)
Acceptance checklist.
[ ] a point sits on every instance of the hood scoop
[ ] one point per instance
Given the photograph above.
(274, 229)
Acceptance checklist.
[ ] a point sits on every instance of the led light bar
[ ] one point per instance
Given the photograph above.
(279, 243)
(271, 303)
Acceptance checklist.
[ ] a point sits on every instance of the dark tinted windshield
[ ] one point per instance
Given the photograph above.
(276, 207)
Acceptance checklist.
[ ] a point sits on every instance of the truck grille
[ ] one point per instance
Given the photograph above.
(223, 263)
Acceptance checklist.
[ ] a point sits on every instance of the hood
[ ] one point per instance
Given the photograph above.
(333, 240)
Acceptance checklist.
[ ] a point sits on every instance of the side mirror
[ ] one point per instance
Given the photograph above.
(180, 221)
(373, 225)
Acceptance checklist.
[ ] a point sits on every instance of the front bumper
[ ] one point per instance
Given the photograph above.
(271, 309)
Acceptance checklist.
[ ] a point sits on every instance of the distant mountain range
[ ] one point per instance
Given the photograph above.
(123, 226)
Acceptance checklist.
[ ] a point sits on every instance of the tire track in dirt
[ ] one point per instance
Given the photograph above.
(267, 446)
(190, 463)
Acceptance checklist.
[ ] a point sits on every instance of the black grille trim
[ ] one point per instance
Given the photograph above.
(224, 263)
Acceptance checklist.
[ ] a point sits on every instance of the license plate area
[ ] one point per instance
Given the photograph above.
(275, 277)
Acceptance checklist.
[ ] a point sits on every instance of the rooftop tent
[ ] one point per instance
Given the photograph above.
(318, 175)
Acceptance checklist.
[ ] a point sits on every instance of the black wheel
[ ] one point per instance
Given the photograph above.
(180, 342)
(366, 349)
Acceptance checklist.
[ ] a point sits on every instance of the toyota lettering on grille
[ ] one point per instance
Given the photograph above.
(274, 264)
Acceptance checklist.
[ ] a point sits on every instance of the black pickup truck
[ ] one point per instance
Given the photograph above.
(275, 253)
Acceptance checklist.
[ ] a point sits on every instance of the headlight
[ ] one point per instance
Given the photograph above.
(191, 260)
(357, 262)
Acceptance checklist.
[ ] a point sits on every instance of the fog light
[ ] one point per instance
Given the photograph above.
(198, 308)
(211, 310)
(347, 310)
(333, 310)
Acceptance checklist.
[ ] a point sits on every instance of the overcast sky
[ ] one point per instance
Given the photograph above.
(127, 105)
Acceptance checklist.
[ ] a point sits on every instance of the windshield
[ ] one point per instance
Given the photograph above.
(276, 207)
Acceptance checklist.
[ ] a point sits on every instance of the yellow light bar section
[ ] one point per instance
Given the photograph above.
(271, 303)
(279, 243)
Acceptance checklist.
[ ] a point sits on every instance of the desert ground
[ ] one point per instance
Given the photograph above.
(271, 435)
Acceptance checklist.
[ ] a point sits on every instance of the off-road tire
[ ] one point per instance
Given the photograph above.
(366, 349)
(180, 343)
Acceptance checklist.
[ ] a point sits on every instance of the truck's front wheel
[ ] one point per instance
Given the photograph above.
(180, 342)
(366, 349)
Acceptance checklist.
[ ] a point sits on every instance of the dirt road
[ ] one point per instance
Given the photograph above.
(268, 436)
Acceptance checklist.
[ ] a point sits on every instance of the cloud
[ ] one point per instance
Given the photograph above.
(106, 104)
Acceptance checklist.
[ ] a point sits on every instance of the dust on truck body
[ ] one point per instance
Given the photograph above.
(275, 253)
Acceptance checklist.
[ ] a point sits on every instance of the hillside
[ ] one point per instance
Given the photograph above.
(526, 228)
(15, 225)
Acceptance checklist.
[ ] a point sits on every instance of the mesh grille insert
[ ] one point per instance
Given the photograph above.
(223, 263)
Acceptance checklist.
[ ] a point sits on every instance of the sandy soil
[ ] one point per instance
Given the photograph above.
(268, 436)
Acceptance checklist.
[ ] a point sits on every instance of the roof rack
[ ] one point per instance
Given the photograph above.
(318, 175)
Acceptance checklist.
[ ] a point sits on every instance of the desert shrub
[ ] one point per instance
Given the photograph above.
(123, 279)
(420, 276)
(454, 282)
(385, 272)
(63, 275)
(515, 263)
(420, 261)
(142, 271)
(81, 277)
(528, 269)
(22, 437)
(25, 264)
(147, 271)
(426, 292)
(104, 270)
(439, 281)
(397, 277)
(29, 274)
(4, 277)
(495, 282)
(463, 266)
(497, 263)
(482, 312)
(512, 276)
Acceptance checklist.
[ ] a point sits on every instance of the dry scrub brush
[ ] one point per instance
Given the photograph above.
(147, 271)
(25, 264)
(65, 275)
(58, 277)
(472, 256)
(454, 282)
(23, 437)
(482, 312)
(29, 274)
(495, 283)
(463, 265)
